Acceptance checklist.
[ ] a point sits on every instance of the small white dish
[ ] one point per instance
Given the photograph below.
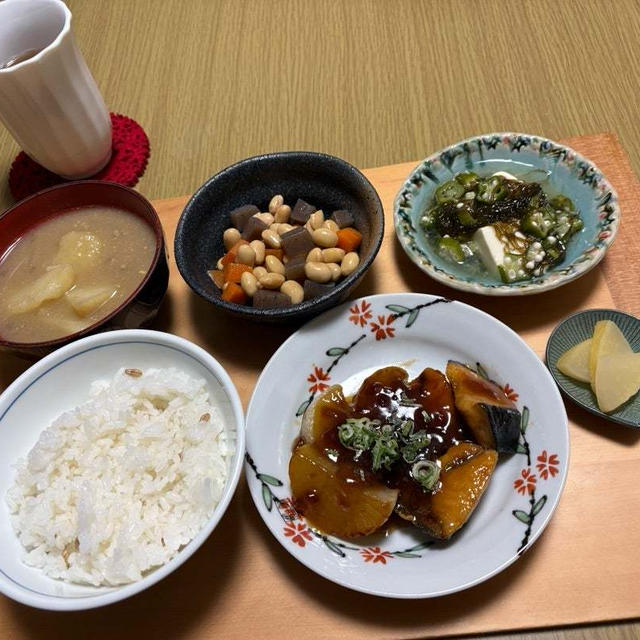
(345, 345)
(60, 382)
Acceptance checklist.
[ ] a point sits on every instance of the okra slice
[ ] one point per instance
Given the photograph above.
(538, 222)
(450, 191)
(450, 248)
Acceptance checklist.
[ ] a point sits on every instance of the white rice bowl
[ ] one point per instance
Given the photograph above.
(105, 567)
(115, 487)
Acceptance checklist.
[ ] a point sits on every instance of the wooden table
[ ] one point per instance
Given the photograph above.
(226, 581)
(372, 81)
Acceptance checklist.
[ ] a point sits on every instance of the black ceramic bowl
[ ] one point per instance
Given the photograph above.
(322, 180)
(141, 307)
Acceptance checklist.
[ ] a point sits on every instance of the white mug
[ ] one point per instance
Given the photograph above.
(49, 101)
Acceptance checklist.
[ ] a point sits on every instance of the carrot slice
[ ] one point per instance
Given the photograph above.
(233, 292)
(233, 271)
(230, 256)
(349, 239)
(217, 276)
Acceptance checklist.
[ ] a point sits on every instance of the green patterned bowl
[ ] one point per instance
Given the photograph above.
(575, 329)
(563, 170)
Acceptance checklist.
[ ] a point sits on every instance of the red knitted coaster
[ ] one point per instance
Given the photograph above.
(128, 162)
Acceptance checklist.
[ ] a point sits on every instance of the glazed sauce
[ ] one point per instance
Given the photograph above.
(332, 411)
(322, 466)
(427, 400)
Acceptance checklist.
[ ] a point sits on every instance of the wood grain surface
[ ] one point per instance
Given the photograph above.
(584, 568)
(373, 81)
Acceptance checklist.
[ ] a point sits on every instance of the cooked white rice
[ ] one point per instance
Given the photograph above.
(117, 486)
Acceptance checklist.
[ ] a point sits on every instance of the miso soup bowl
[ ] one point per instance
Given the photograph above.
(141, 306)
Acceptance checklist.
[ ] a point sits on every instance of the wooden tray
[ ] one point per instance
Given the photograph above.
(584, 568)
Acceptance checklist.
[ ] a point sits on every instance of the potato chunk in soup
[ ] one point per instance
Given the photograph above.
(52, 284)
(81, 249)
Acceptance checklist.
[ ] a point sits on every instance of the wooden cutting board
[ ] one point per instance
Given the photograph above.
(241, 583)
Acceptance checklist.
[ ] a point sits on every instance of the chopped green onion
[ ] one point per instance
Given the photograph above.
(426, 474)
(384, 453)
(415, 444)
(406, 401)
(346, 433)
(421, 439)
(332, 454)
(387, 443)
(357, 434)
(406, 428)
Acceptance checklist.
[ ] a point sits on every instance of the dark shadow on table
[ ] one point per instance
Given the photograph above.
(248, 344)
(244, 343)
(164, 319)
(619, 433)
(11, 367)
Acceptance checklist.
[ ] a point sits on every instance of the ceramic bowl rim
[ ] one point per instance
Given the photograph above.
(156, 338)
(522, 288)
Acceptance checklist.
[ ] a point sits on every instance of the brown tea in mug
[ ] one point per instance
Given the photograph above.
(20, 57)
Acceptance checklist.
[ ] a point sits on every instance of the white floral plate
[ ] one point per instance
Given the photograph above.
(346, 344)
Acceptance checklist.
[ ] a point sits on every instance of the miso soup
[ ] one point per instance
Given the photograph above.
(69, 272)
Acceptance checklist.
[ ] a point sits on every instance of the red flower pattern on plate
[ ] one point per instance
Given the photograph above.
(298, 533)
(317, 378)
(288, 510)
(382, 328)
(375, 554)
(510, 392)
(548, 465)
(526, 483)
(360, 314)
